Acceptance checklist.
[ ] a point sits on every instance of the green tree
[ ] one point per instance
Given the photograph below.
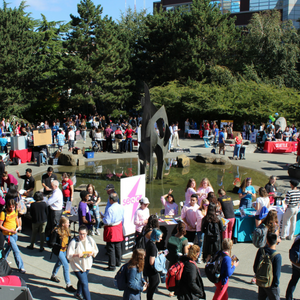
(184, 44)
(95, 61)
(271, 50)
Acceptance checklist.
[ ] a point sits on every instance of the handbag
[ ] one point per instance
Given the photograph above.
(5, 269)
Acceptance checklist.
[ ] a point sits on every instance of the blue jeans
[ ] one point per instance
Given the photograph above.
(83, 284)
(237, 149)
(14, 247)
(200, 237)
(170, 143)
(206, 132)
(62, 260)
(95, 212)
(129, 141)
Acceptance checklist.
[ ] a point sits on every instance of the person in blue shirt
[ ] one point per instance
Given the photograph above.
(113, 231)
(3, 143)
(60, 140)
(216, 133)
(110, 188)
(136, 283)
(227, 268)
(54, 131)
(222, 141)
(246, 193)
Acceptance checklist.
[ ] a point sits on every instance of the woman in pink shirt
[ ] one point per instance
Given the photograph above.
(141, 216)
(188, 216)
(203, 189)
(8, 179)
(168, 201)
(190, 190)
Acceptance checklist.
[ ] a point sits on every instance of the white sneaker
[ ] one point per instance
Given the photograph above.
(97, 232)
(9, 262)
(92, 232)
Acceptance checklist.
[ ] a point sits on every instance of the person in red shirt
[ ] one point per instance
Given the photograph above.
(128, 133)
(67, 188)
(237, 147)
(8, 179)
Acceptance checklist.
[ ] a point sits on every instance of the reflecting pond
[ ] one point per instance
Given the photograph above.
(101, 173)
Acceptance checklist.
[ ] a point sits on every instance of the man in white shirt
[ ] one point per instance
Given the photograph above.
(55, 203)
(71, 138)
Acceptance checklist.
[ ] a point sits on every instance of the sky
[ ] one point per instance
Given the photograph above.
(60, 10)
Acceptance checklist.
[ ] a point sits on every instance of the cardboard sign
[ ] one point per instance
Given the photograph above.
(41, 138)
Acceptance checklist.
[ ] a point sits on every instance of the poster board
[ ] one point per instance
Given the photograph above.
(132, 190)
(225, 122)
(43, 137)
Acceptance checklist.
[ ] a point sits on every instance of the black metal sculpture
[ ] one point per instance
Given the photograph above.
(151, 142)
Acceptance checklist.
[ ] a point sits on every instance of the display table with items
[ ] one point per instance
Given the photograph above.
(23, 155)
(280, 147)
(244, 226)
(167, 225)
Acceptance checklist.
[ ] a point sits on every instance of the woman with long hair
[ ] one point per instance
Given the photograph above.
(67, 188)
(227, 268)
(151, 254)
(191, 284)
(93, 204)
(246, 193)
(168, 201)
(271, 188)
(128, 132)
(237, 147)
(261, 201)
(61, 235)
(212, 226)
(148, 228)
(190, 190)
(203, 189)
(135, 282)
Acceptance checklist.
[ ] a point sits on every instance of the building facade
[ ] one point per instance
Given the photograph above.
(244, 9)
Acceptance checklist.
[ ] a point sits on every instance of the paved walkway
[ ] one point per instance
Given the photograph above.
(39, 265)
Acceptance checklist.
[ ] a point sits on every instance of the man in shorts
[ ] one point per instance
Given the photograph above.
(222, 141)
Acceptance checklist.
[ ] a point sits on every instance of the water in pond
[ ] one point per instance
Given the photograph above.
(101, 173)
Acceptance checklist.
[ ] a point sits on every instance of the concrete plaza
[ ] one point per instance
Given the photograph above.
(39, 265)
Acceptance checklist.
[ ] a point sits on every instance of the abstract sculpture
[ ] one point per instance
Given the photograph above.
(151, 142)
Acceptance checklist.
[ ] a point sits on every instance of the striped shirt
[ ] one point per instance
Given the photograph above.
(293, 198)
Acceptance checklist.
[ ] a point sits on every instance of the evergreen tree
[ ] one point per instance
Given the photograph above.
(96, 60)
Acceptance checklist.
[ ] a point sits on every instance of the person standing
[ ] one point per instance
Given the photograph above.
(227, 268)
(67, 188)
(118, 138)
(84, 215)
(113, 232)
(80, 253)
(175, 135)
(204, 189)
(186, 128)
(71, 138)
(109, 190)
(237, 147)
(55, 203)
(141, 216)
(108, 132)
(134, 273)
(271, 188)
(47, 179)
(10, 225)
(60, 139)
(39, 213)
(292, 200)
(222, 141)
(2, 166)
(171, 137)
(191, 284)
(29, 182)
(295, 276)
(93, 203)
(261, 201)
(272, 292)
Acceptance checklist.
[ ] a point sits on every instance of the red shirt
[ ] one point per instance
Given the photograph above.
(128, 133)
(238, 141)
(66, 187)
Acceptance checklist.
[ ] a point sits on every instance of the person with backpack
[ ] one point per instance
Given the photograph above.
(191, 284)
(227, 268)
(80, 253)
(10, 225)
(134, 276)
(60, 237)
(267, 268)
(149, 271)
(295, 259)
(212, 226)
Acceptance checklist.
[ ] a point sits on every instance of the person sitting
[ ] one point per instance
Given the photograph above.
(246, 192)
(168, 201)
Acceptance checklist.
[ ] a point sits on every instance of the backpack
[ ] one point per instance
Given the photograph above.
(173, 276)
(294, 253)
(120, 280)
(212, 232)
(264, 272)
(259, 236)
(140, 242)
(213, 267)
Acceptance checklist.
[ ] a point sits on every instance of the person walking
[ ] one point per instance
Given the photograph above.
(10, 225)
(134, 274)
(61, 235)
(227, 268)
(175, 135)
(292, 200)
(222, 141)
(39, 213)
(80, 253)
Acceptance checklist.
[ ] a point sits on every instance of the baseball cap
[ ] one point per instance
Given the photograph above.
(294, 182)
(144, 200)
(110, 187)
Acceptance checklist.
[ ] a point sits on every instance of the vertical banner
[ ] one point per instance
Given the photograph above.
(132, 190)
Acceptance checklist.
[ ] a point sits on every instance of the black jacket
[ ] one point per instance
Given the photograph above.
(191, 284)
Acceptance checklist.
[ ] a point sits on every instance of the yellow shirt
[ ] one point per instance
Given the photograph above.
(10, 221)
(64, 244)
